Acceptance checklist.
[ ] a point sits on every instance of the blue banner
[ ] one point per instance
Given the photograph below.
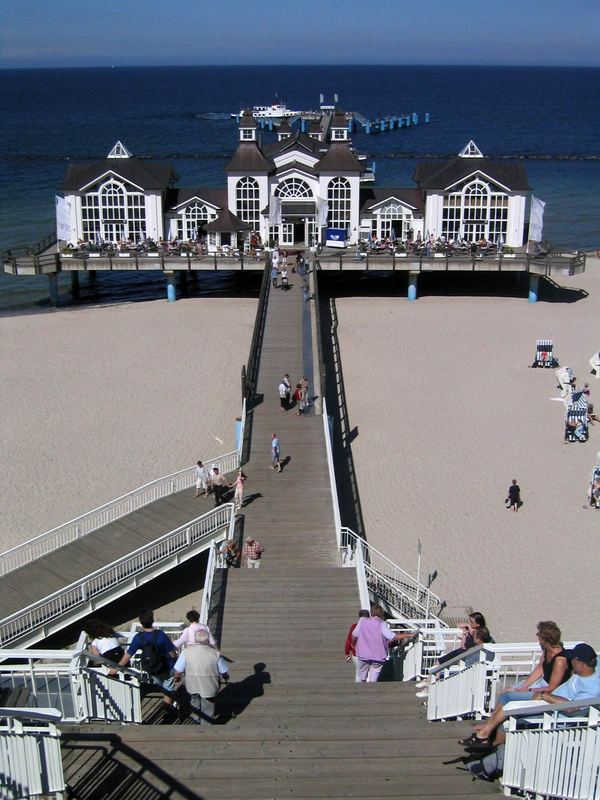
(335, 237)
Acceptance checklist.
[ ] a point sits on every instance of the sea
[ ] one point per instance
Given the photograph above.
(548, 118)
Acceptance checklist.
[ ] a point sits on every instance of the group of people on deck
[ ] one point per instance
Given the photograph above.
(194, 655)
(216, 482)
(296, 398)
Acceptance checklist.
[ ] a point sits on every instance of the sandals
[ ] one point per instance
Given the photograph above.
(475, 742)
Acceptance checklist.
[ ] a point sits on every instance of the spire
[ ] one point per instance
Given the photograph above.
(119, 151)
(471, 151)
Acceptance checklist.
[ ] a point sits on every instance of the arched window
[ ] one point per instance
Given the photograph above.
(339, 195)
(393, 222)
(476, 211)
(190, 222)
(247, 200)
(111, 213)
(292, 188)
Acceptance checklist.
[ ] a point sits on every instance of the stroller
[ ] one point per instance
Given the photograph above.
(594, 490)
(576, 418)
(544, 354)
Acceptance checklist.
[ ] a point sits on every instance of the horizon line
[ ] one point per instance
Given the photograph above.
(303, 66)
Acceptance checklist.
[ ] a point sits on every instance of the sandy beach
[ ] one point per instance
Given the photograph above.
(97, 401)
(448, 412)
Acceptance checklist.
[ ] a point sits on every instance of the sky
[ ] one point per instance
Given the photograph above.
(95, 33)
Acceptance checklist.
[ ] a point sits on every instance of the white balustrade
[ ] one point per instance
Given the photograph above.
(558, 758)
(106, 583)
(459, 691)
(109, 512)
(30, 753)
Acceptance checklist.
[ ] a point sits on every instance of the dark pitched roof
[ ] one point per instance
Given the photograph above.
(298, 165)
(215, 196)
(226, 222)
(441, 174)
(249, 158)
(284, 125)
(372, 196)
(339, 158)
(299, 141)
(146, 174)
(339, 119)
(247, 120)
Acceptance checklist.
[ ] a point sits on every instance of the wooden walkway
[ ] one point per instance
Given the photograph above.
(42, 577)
(302, 728)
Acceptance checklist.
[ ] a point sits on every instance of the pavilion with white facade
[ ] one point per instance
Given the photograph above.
(291, 191)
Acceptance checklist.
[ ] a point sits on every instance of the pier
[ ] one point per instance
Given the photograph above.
(302, 726)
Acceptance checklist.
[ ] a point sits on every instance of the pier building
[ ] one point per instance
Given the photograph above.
(290, 191)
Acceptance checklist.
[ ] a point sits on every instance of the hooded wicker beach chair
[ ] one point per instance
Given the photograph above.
(576, 418)
(544, 354)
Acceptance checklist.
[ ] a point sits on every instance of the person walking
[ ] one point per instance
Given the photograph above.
(220, 485)
(283, 396)
(240, 480)
(252, 553)
(274, 275)
(304, 392)
(202, 479)
(199, 662)
(372, 638)
(275, 453)
(514, 496)
(350, 647)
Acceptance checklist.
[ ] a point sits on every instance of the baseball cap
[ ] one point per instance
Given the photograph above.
(583, 652)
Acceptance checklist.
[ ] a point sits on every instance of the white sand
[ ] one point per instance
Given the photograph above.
(98, 401)
(448, 413)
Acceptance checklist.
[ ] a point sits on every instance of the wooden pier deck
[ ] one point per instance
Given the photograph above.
(302, 728)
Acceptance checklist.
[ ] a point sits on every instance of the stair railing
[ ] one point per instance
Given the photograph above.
(72, 602)
(560, 756)
(470, 683)
(30, 753)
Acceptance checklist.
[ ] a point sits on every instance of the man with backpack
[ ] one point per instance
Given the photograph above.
(157, 657)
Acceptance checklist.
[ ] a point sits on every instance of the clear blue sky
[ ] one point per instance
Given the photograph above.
(74, 33)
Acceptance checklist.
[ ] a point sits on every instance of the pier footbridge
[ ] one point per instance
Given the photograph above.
(292, 719)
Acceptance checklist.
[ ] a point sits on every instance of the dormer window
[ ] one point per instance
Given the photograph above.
(340, 134)
(247, 134)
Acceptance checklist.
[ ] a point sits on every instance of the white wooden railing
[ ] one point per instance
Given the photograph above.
(337, 520)
(109, 512)
(82, 596)
(558, 759)
(384, 580)
(434, 639)
(462, 691)
(30, 757)
(65, 681)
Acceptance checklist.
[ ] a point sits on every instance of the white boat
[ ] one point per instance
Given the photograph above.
(274, 111)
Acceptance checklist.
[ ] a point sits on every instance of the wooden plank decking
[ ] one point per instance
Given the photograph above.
(303, 728)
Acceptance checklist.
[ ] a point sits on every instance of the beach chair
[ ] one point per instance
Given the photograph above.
(594, 499)
(544, 354)
(576, 418)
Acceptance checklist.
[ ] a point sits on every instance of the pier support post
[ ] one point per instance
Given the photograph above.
(53, 288)
(534, 283)
(92, 278)
(171, 287)
(183, 282)
(412, 285)
(75, 285)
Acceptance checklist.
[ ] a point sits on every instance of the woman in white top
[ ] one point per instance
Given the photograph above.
(105, 641)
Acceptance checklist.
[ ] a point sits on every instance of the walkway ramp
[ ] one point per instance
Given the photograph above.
(297, 724)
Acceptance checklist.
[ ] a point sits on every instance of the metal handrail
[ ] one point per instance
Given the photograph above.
(53, 539)
(394, 576)
(79, 593)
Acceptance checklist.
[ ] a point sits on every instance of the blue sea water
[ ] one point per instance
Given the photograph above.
(549, 117)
